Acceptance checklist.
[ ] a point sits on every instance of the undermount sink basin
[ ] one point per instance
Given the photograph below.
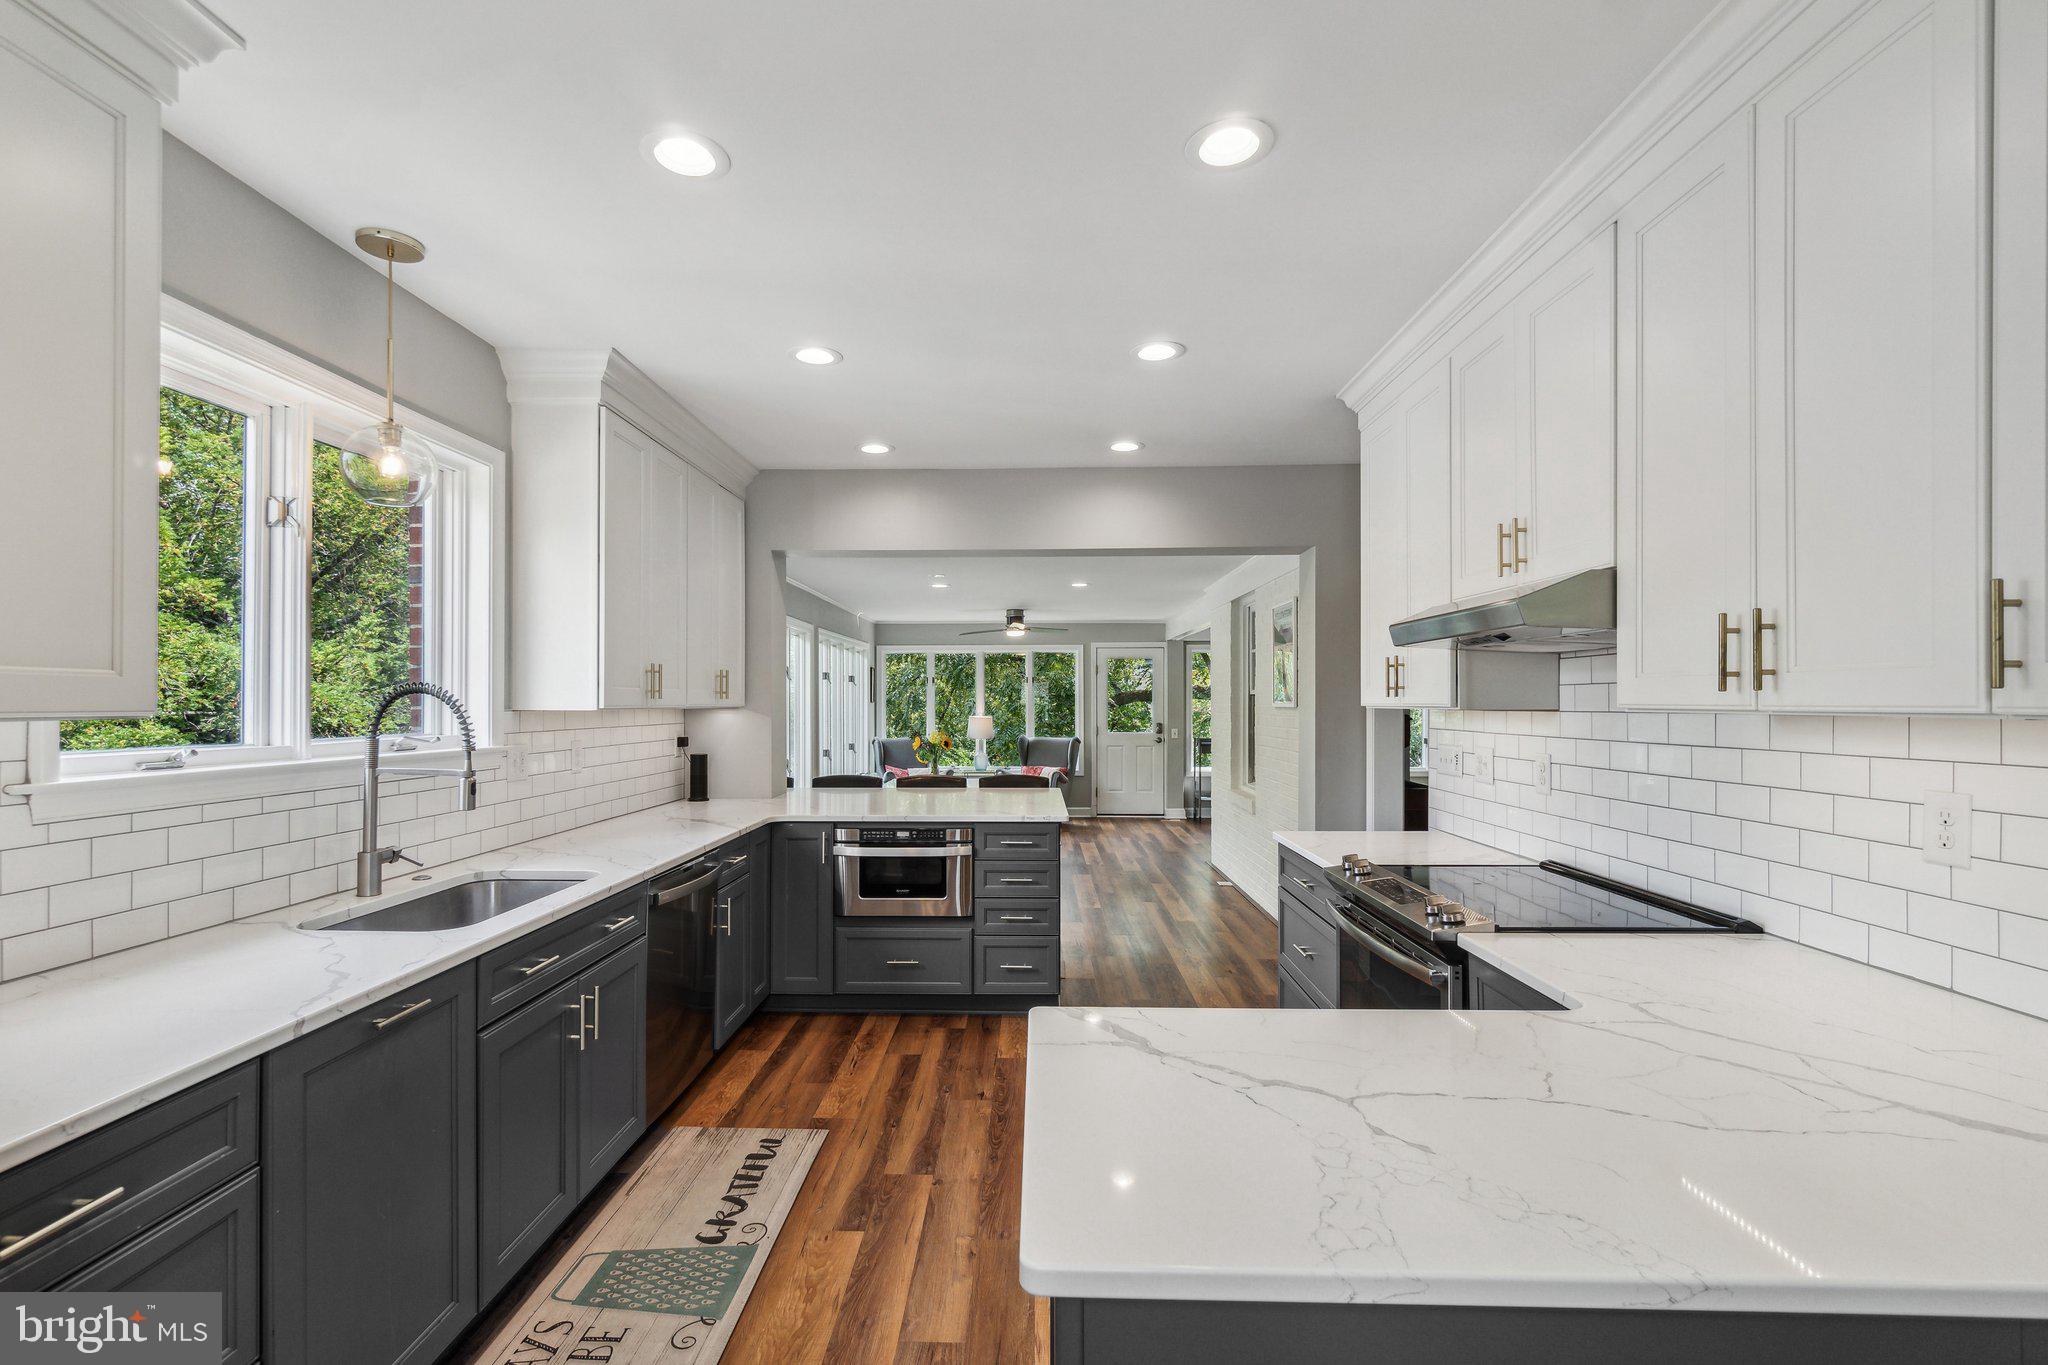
(450, 907)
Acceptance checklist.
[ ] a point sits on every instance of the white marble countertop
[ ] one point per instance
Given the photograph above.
(1731, 1123)
(88, 1043)
(1394, 848)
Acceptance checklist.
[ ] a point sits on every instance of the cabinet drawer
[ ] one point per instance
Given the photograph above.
(1308, 944)
(905, 961)
(1299, 875)
(1294, 995)
(213, 1247)
(1003, 916)
(125, 1178)
(1041, 880)
(1017, 841)
(740, 857)
(528, 968)
(1016, 966)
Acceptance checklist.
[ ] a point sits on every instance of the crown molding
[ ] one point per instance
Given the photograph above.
(1711, 54)
(560, 377)
(148, 41)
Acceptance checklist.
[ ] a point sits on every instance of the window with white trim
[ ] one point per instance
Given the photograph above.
(286, 605)
(1028, 692)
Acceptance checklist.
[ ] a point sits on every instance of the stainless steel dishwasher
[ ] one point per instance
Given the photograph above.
(682, 981)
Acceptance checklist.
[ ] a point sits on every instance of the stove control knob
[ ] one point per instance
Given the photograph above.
(1453, 918)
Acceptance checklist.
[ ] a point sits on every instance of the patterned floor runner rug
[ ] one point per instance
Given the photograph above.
(662, 1275)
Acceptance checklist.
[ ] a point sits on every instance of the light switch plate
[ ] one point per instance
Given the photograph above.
(1945, 828)
(516, 767)
(1482, 768)
(1543, 772)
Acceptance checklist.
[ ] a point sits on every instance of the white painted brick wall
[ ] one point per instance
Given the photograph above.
(75, 889)
(1809, 825)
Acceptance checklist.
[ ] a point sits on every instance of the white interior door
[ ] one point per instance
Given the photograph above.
(1130, 737)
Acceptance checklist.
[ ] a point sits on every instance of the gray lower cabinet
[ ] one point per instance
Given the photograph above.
(369, 1182)
(800, 891)
(1011, 964)
(892, 960)
(734, 938)
(1296, 995)
(213, 1246)
(561, 1096)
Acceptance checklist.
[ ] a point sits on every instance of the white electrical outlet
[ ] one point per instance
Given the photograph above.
(516, 767)
(1945, 828)
(1482, 765)
(1543, 772)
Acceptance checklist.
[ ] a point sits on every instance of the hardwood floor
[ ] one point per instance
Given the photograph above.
(903, 1245)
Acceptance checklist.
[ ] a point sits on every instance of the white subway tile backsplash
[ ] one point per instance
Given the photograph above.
(1808, 825)
(24, 869)
(125, 852)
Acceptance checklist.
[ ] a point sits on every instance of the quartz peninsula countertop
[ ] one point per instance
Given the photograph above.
(1717, 1123)
(91, 1042)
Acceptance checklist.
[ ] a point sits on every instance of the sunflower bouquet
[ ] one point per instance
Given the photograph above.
(933, 750)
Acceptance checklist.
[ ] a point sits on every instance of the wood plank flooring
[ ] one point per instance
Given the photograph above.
(902, 1248)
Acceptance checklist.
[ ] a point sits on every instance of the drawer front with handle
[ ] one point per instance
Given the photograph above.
(1005, 916)
(1308, 943)
(528, 968)
(1025, 842)
(1302, 877)
(62, 1211)
(904, 961)
(1016, 966)
(1295, 994)
(1040, 881)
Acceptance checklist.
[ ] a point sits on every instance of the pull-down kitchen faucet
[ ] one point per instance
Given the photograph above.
(370, 862)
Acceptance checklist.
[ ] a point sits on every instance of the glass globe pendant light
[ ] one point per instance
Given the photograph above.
(384, 463)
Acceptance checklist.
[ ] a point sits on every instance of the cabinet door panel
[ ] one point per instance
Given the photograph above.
(800, 906)
(611, 1102)
(1427, 674)
(1687, 456)
(527, 1120)
(625, 521)
(369, 1182)
(1485, 455)
(717, 592)
(1381, 548)
(1565, 329)
(1871, 459)
(80, 278)
(733, 994)
(668, 484)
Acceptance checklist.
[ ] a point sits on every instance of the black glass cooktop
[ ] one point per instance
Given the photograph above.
(1550, 896)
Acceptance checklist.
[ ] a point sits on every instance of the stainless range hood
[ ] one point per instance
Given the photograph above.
(1561, 616)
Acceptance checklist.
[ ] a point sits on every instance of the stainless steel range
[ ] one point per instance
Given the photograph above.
(1402, 925)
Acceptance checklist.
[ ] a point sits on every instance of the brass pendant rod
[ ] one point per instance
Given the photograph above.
(390, 346)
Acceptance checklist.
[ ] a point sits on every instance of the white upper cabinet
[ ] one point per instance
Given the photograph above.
(1404, 507)
(717, 589)
(80, 282)
(1532, 430)
(1685, 553)
(2019, 355)
(1872, 530)
(628, 585)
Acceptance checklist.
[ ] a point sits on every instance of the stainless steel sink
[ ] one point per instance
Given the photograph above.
(450, 907)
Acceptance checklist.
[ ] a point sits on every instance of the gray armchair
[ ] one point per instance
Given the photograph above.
(895, 753)
(1051, 752)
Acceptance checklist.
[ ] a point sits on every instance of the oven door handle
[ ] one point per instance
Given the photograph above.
(1410, 964)
(918, 851)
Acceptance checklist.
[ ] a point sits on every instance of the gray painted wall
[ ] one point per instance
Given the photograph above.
(814, 610)
(234, 253)
(1077, 635)
(1251, 510)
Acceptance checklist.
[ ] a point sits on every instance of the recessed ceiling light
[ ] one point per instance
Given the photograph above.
(940, 585)
(1234, 141)
(1160, 350)
(1079, 584)
(1126, 447)
(876, 448)
(817, 355)
(690, 154)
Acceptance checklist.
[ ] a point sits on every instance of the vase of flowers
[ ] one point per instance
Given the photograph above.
(933, 750)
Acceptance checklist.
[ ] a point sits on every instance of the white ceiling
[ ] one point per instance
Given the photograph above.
(984, 206)
(981, 587)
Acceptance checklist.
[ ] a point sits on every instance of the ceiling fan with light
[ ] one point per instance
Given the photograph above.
(1014, 628)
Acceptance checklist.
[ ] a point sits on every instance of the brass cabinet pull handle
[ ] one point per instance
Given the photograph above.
(1758, 626)
(1724, 674)
(1500, 549)
(1521, 560)
(661, 680)
(618, 924)
(548, 961)
(579, 1033)
(902, 962)
(2000, 603)
(1400, 688)
(14, 1244)
(647, 681)
(1304, 952)
(414, 1008)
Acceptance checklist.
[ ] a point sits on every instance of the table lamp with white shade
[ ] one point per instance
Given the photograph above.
(981, 729)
